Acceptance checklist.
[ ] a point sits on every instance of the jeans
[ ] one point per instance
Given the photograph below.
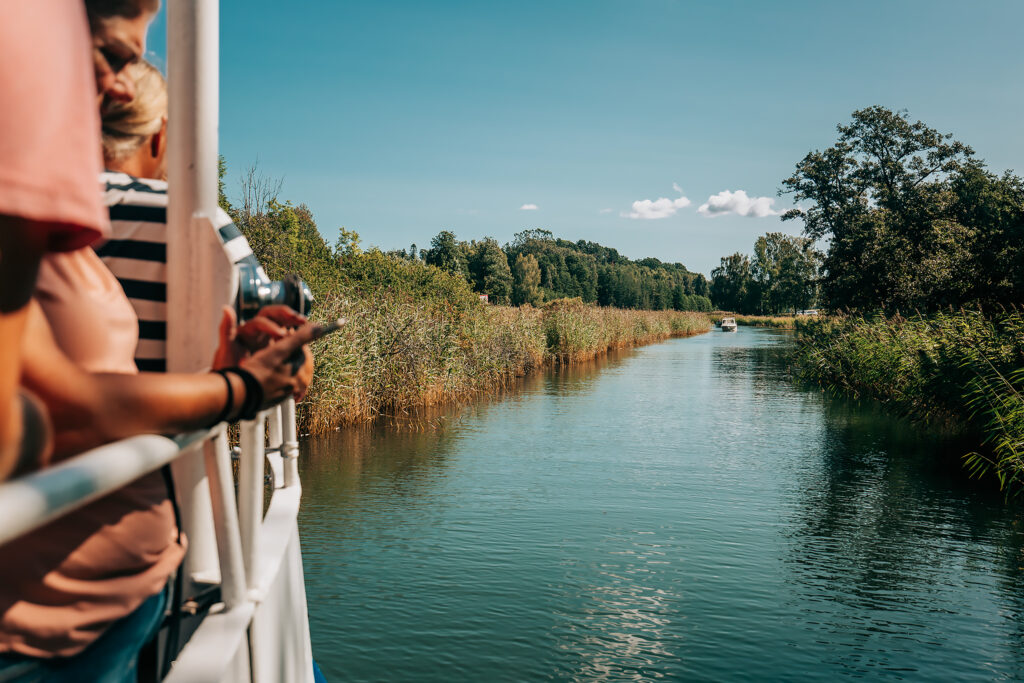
(112, 658)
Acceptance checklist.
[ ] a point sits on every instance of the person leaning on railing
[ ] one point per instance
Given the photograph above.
(134, 136)
(81, 595)
(47, 195)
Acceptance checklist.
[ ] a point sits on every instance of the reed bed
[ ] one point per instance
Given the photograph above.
(782, 322)
(963, 371)
(398, 353)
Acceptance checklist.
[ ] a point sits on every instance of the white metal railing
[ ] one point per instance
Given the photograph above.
(259, 630)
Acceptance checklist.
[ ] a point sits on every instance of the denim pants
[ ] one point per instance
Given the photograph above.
(112, 658)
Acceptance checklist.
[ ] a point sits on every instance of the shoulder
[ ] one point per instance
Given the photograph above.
(123, 189)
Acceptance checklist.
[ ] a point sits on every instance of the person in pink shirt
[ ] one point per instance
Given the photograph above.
(48, 197)
(88, 589)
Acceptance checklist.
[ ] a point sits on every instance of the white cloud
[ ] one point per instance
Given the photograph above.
(663, 207)
(606, 210)
(528, 207)
(739, 203)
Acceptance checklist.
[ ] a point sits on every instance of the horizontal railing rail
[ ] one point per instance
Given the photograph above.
(36, 499)
(260, 569)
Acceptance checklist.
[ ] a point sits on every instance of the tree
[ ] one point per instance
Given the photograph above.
(913, 221)
(732, 287)
(526, 281)
(446, 254)
(347, 243)
(489, 271)
(785, 270)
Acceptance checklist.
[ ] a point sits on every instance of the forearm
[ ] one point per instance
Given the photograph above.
(127, 405)
(19, 263)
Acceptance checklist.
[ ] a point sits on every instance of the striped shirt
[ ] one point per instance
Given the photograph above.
(136, 254)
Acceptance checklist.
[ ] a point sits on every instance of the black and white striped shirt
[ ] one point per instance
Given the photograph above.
(136, 254)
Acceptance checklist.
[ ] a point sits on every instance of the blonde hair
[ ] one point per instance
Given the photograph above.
(127, 125)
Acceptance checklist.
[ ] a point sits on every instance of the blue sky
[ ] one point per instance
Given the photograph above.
(399, 119)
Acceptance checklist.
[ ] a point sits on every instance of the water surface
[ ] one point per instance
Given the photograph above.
(681, 512)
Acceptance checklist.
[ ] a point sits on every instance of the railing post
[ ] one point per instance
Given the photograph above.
(195, 289)
(290, 445)
(250, 494)
(225, 519)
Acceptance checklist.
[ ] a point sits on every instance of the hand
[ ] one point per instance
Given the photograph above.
(304, 375)
(274, 369)
(237, 342)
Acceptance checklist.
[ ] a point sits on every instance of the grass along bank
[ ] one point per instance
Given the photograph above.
(961, 371)
(782, 322)
(416, 334)
(398, 353)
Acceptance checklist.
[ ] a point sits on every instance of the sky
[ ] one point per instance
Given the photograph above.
(659, 127)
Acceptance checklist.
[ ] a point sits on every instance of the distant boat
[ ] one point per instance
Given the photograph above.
(728, 324)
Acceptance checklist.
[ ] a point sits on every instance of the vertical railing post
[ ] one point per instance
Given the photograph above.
(225, 517)
(290, 445)
(250, 494)
(195, 290)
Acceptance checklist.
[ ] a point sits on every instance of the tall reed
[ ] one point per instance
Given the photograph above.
(401, 352)
(963, 370)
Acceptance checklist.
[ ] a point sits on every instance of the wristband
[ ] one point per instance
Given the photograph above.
(230, 403)
(253, 402)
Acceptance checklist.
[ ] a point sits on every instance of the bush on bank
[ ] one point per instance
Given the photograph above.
(417, 335)
(962, 370)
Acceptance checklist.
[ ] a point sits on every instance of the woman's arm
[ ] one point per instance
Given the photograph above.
(89, 410)
(20, 253)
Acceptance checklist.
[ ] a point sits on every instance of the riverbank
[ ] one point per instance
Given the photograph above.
(780, 322)
(960, 371)
(400, 353)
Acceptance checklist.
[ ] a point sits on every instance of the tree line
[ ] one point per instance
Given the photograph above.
(913, 220)
(537, 267)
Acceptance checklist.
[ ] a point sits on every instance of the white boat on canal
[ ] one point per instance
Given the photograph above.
(728, 324)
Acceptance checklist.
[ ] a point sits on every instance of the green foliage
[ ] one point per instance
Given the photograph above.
(446, 254)
(417, 333)
(489, 271)
(913, 220)
(526, 281)
(961, 370)
(732, 285)
(347, 244)
(785, 272)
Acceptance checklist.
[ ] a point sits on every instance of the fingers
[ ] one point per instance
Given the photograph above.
(283, 316)
(227, 325)
(283, 348)
(256, 332)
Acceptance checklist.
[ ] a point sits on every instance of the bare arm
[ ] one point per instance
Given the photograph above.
(92, 409)
(19, 263)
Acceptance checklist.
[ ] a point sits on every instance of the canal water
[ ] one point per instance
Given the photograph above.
(679, 512)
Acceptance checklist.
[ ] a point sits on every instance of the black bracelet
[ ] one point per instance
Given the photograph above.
(253, 402)
(225, 412)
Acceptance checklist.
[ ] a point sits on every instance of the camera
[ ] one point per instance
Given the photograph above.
(256, 290)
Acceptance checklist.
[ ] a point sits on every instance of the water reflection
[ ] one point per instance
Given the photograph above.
(680, 512)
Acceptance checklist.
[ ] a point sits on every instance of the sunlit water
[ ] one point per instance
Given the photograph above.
(681, 512)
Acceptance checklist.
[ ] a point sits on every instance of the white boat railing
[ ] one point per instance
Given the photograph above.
(259, 630)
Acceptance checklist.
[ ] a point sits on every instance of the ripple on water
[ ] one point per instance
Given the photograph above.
(684, 513)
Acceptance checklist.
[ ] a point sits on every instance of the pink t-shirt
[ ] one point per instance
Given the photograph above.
(49, 122)
(62, 586)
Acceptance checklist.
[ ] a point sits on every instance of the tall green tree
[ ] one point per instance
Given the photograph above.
(489, 271)
(732, 285)
(526, 281)
(446, 254)
(785, 270)
(912, 219)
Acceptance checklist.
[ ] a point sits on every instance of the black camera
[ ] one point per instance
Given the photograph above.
(256, 290)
